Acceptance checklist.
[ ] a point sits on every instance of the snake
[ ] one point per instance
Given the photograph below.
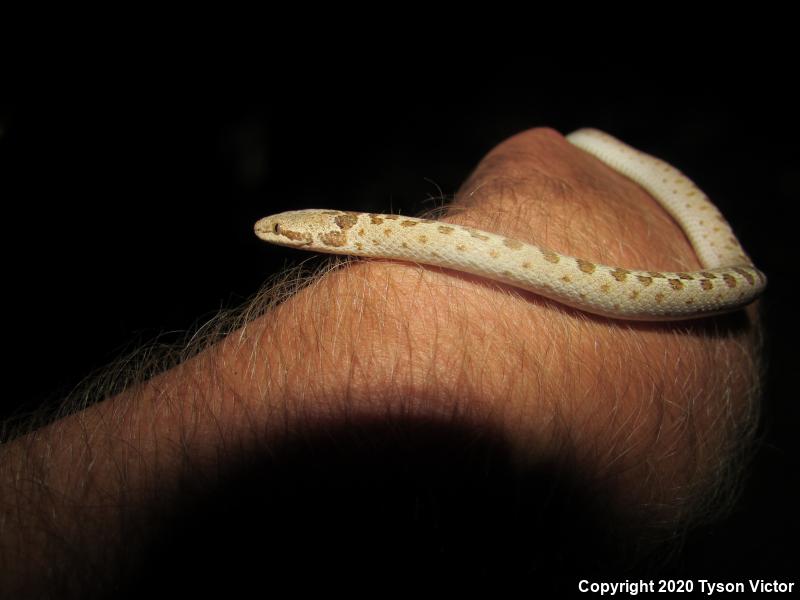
(726, 282)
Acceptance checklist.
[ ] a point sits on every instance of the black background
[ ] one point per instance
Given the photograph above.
(130, 186)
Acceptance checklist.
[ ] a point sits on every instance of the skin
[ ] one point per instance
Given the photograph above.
(648, 413)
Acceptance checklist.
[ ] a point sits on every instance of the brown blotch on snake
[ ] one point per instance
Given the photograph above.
(620, 274)
(676, 284)
(513, 244)
(294, 235)
(586, 266)
(408, 223)
(551, 256)
(333, 238)
(346, 221)
(746, 274)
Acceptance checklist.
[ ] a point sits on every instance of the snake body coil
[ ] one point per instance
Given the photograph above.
(727, 281)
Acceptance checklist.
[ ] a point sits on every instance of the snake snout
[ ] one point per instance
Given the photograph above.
(266, 227)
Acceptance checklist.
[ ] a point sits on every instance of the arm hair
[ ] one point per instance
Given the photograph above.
(655, 419)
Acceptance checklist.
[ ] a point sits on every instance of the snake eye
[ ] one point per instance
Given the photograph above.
(276, 228)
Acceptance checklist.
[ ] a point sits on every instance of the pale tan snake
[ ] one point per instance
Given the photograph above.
(728, 280)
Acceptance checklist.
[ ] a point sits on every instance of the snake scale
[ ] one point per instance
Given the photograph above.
(728, 279)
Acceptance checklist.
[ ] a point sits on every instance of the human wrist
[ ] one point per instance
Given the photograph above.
(622, 396)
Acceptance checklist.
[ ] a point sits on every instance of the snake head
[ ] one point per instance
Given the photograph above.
(285, 229)
(300, 228)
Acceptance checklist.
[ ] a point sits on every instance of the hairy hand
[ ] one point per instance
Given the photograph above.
(654, 414)
(652, 418)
